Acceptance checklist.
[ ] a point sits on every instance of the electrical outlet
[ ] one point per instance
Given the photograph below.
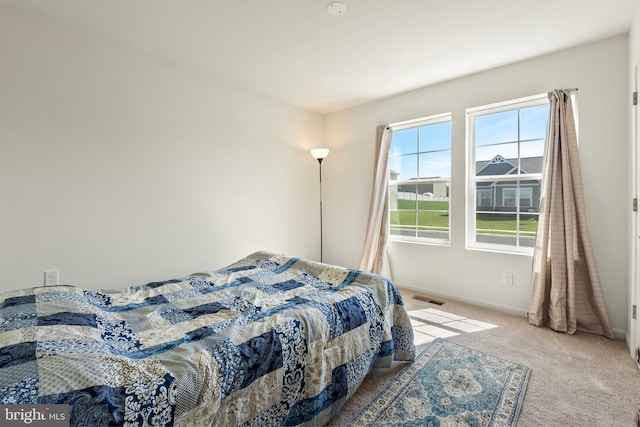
(507, 279)
(51, 277)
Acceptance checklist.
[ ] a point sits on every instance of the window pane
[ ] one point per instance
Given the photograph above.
(496, 159)
(533, 122)
(496, 127)
(402, 209)
(404, 167)
(435, 137)
(506, 151)
(507, 228)
(528, 229)
(404, 142)
(402, 223)
(496, 227)
(532, 150)
(435, 165)
(407, 197)
(433, 225)
(433, 212)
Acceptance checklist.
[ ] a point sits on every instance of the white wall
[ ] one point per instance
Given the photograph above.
(117, 168)
(599, 70)
(634, 40)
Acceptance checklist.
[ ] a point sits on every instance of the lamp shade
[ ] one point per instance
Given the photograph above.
(320, 153)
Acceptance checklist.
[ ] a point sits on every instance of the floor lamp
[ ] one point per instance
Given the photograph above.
(320, 154)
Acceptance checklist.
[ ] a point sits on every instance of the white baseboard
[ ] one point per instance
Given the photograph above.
(617, 333)
(470, 301)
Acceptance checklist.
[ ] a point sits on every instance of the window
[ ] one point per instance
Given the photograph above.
(484, 197)
(509, 195)
(419, 180)
(505, 146)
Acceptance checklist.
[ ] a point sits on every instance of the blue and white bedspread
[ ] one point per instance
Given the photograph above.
(268, 340)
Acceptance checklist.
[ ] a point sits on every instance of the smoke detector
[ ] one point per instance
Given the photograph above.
(336, 8)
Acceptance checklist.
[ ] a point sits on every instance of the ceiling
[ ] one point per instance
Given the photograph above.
(294, 50)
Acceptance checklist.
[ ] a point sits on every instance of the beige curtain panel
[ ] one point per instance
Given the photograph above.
(565, 293)
(374, 257)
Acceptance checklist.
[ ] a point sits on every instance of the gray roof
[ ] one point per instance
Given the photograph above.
(501, 166)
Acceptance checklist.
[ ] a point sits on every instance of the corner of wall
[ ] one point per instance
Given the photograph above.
(634, 39)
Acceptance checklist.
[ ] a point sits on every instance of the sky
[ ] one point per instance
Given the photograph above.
(497, 133)
(433, 142)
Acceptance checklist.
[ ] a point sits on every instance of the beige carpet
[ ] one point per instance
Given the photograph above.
(576, 380)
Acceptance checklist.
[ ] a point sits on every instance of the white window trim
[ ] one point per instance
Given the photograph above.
(407, 124)
(470, 211)
(430, 120)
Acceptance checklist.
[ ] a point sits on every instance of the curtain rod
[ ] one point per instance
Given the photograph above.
(573, 89)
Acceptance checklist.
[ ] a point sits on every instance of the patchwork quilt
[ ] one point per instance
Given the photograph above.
(269, 340)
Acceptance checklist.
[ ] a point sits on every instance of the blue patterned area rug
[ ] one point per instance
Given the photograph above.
(451, 385)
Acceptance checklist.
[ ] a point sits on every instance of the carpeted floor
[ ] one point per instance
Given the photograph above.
(576, 380)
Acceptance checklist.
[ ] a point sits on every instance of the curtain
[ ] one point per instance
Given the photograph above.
(374, 257)
(565, 291)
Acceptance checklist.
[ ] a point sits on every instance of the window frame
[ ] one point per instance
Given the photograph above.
(472, 179)
(417, 123)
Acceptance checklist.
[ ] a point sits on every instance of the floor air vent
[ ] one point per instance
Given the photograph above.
(428, 299)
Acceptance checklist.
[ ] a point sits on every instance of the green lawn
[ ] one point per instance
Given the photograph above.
(434, 215)
(497, 224)
(431, 215)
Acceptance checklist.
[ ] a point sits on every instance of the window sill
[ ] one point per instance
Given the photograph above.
(501, 250)
(421, 242)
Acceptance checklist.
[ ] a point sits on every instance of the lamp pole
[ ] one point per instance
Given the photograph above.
(320, 164)
(320, 154)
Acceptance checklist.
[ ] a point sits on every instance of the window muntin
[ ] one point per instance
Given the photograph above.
(419, 180)
(505, 146)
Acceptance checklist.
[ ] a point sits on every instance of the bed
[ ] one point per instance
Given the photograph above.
(268, 340)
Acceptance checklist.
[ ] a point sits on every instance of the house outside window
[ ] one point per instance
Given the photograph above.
(505, 147)
(419, 180)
